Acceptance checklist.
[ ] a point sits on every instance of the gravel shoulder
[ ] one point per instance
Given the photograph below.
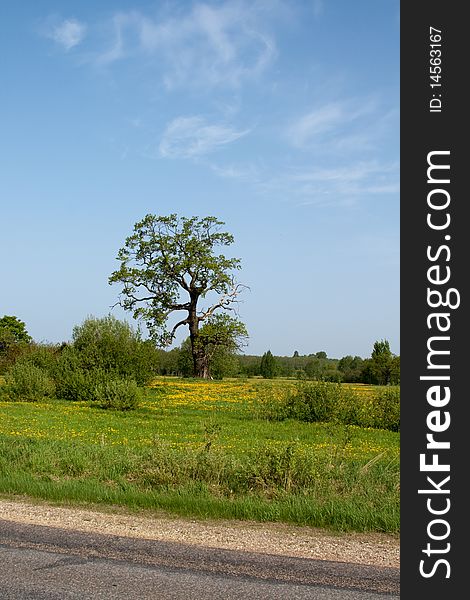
(271, 538)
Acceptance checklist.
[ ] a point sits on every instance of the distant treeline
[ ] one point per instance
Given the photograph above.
(110, 345)
(381, 368)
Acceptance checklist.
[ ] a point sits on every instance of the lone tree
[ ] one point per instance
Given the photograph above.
(268, 366)
(168, 265)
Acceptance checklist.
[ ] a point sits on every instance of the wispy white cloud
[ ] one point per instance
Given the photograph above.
(344, 185)
(190, 137)
(315, 123)
(116, 49)
(68, 33)
(247, 173)
(334, 122)
(347, 174)
(207, 45)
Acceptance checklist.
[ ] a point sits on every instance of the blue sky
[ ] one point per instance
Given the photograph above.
(279, 118)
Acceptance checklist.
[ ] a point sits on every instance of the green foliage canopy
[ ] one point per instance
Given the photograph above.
(169, 264)
(12, 331)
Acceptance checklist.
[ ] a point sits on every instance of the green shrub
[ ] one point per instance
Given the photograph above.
(118, 394)
(75, 383)
(78, 385)
(113, 346)
(271, 403)
(27, 382)
(43, 356)
(12, 351)
(322, 401)
(348, 408)
(314, 401)
(385, 409)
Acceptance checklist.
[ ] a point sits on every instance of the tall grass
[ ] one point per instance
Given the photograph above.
(272, 483)
(200, 448)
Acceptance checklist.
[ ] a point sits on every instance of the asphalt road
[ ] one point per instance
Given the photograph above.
(45, 563)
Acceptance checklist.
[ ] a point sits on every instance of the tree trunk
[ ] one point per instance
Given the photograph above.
(201, 365)
(200, 359)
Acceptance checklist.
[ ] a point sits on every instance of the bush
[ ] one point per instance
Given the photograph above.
(323, 401)
(306, 401)
(118, 394)
(348, 409)
(113, 346)
(27, 382)
(72, 381)
(10, 352)
(312, 402)
(44, 356)
(271, 403)
(80, 385)
(384, 410)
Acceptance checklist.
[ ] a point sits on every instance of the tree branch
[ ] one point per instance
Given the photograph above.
(173, 331)
(185, 306)
(225, 301)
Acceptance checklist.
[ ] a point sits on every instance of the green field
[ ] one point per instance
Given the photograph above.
(202, 449)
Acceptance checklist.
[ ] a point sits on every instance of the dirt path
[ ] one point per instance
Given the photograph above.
(271, 538)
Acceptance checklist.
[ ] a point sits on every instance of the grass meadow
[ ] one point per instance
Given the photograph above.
(204, 449)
